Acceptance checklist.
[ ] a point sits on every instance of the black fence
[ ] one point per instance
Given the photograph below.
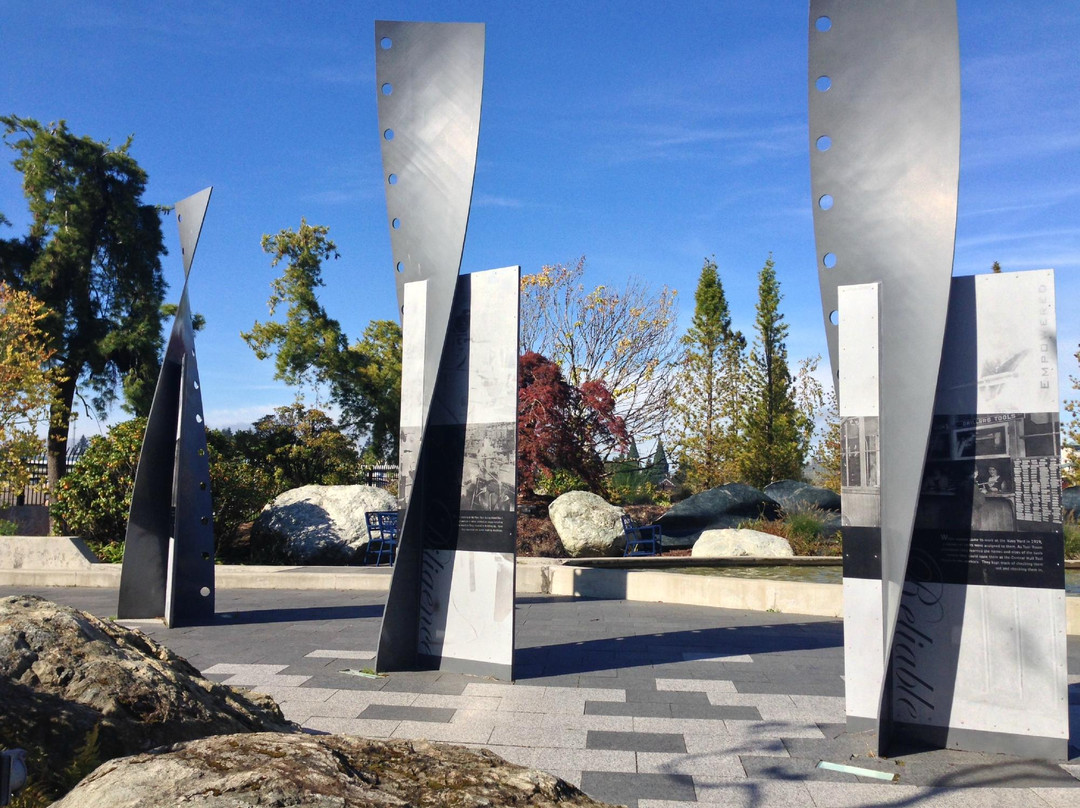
(36, 491)
(381, 476)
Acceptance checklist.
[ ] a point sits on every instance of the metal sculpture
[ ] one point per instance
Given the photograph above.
(451, 598)
(168, 569)
(954, 607)
(884, 85)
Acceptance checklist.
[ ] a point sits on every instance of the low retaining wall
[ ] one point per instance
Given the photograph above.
(23, 560)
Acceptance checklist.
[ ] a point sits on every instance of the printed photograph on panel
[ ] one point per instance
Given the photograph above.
(488, 476)
(992, 472)
(860, 483)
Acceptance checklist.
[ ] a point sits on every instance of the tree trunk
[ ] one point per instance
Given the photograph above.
(57, 441)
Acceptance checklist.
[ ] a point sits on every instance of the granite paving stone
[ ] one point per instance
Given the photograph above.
(537, 737)
(713, 764)
(752, 793)
(627, 789)
(636, 741)
(400, 712)
(551, 760)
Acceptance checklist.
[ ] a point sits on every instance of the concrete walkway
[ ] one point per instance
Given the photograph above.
(645, 704)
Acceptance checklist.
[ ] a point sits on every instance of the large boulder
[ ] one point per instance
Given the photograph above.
(318, 524)
(587, 525)
(731, 542)
(331, 770)
(721, 507)
(63, 672)
(795, 496)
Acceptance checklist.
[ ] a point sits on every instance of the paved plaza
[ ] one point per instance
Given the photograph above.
(644, 704)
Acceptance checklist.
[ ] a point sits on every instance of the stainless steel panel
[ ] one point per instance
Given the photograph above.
(884, 99)
(429, 83)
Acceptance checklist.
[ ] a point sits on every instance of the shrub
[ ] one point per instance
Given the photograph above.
(558, 482)
(8, 528)
(93, 499)
(1072, 537)
(804, 529)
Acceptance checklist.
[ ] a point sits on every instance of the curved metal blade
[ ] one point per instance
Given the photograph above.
(430, 79)
(884, 86)
(190, 213)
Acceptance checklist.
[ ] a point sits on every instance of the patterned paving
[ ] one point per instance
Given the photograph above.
(648, 705)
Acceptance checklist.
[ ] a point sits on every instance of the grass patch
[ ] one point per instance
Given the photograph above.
(1072, 537)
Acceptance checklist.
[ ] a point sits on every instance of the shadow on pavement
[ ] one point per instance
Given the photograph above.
(297, 615)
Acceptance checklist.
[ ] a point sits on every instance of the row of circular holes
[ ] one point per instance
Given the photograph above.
(824, 143)
(823, 83)
(387, 89)
(205, 591)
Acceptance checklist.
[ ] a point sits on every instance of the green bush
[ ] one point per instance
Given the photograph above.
(1072, 537)
(93, 499)
(559, 482)
(7, 528)
(240, 490)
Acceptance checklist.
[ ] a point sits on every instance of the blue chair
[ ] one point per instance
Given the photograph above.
(644, 540)
(382, 528)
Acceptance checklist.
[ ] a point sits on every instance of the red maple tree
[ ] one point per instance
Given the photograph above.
(562, 427)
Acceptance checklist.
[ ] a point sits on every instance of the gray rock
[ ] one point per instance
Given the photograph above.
(722, 507)
(1070, 500)
(63, 672)
(318, 524)
(794, 496)
(587, 525)
(330, 770)
(734, 542)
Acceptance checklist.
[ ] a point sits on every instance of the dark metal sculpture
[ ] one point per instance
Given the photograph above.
(168, 569)
(451, 598)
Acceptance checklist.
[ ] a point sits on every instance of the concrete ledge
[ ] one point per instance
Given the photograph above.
(534, 576)
(45, 553)
(751, 594)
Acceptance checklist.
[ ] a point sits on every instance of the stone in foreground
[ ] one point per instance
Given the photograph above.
(587, 525)
(332, 770)
(63, 671)
(736, 542)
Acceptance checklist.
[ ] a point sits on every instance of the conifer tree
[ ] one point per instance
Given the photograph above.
(93, 259)
(708, 388)
(659, 469)
(773, 441)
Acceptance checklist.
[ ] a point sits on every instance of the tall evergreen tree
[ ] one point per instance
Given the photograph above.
(659, 470)
(708, 388)
(93, 259)
(773, 443)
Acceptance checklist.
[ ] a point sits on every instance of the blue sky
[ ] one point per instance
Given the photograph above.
(644, 136)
